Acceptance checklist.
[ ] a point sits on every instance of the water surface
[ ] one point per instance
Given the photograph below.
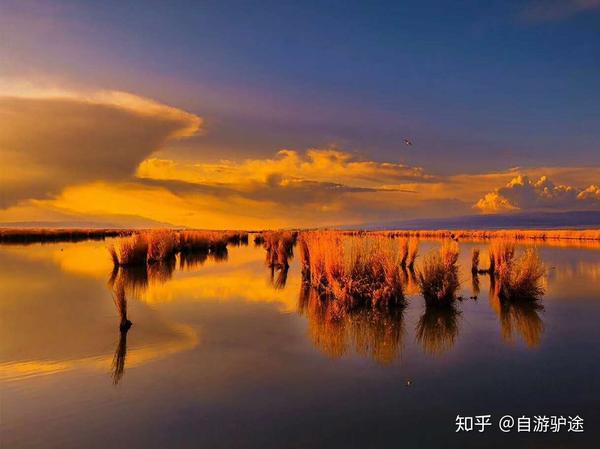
(226, 353)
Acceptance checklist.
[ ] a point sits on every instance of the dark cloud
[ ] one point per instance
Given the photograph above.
(49, 143)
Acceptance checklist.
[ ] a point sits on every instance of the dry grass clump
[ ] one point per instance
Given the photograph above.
(158, 246)
(408, 247)
(501, 253)
(515, 278)
(438, 275)
(353, 270)
(205, 240)
(132, 250)
(162, 245)
(521, 278)
(413, 249)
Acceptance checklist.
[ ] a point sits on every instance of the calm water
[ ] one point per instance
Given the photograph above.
(221, 354)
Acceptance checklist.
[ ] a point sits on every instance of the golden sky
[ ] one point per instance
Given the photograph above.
(111, 157)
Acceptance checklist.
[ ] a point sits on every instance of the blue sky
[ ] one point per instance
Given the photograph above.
(463, 79)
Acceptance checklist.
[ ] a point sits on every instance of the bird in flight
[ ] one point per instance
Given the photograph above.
(408, 142)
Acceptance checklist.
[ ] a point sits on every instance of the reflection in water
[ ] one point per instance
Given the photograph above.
(131, 279)
(279, 276)
(117, 284)
(518, 317)
(409, 281)
(220, 254)
(192, 259)
(118, 363)
(475, 285)
(162, 271)
(279, 247)
(437, 329)
(370, 332)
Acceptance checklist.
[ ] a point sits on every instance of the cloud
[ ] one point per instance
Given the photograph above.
(93, 156)
(288, 168)
(51, 139)
(523, 193)
(554, 10)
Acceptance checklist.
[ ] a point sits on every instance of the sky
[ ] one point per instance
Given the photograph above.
(223, 114)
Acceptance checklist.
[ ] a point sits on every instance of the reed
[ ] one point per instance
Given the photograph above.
(484, 234)
(413, 249)
(475, 261)
(501, 253)
(48, 235)
(193, 240)
(162, 245)
(521, 278)
(355, 271)
(438, 275)
(132, 250)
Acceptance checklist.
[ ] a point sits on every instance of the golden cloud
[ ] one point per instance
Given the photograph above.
(91, 157)
(288, 168)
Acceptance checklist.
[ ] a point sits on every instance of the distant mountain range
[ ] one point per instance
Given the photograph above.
(110, 222)
(537, 220)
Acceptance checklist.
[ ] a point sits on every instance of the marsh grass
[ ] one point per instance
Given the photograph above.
(438, 275)
(132, 250)
(501, 253)
(162, 245)
(515, 277)
(522, 278)
(353, 270)
(506, 234)
(43, 235)
(413, 249)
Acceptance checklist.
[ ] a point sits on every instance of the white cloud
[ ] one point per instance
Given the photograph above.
(523, 193)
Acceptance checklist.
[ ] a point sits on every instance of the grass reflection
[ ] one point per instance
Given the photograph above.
(437, 329)
(118, 363)
(518, 317)
(335, 330)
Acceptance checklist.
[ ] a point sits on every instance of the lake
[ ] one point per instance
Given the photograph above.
(224, 353)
